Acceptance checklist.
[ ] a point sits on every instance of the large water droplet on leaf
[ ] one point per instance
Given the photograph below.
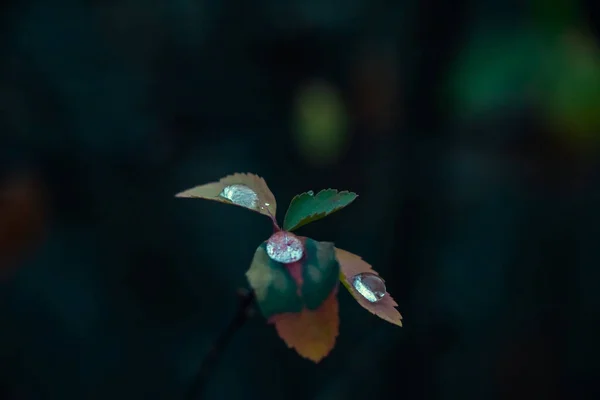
(285, 247)
(370, 286)
(241, 195)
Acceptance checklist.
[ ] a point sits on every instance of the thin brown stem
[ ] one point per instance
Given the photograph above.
(276, 227)
(244, 312)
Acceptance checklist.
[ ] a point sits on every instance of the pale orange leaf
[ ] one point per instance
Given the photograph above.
(311, 333)
(241, 189)
(351, 265)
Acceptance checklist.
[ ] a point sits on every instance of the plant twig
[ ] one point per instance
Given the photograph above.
(244, 312)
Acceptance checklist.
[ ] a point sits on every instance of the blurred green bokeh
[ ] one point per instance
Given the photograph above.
(320, 123)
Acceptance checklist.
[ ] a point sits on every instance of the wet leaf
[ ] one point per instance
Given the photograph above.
(292, 272)
(275, 288)
(244, 190)
(285, 247)
(352, 265)
(320, 273)
(311, 333)
(307, 207)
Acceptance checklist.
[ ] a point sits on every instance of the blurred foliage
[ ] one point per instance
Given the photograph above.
(321, 124)
(551, 67)
(469, 129)
(22, 218)
(572, 96)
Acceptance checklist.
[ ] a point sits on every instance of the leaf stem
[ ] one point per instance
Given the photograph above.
(209, 363)
(276, 227)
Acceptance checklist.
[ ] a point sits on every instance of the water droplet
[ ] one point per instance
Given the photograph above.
(370, 286)
(241, 195)
(310, 193)
(285, 247)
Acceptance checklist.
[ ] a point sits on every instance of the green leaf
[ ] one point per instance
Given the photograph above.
(275, 288)
(307, 207)
(320, 273)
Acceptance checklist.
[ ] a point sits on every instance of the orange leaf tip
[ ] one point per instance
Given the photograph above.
(367, 287)
(311, 333)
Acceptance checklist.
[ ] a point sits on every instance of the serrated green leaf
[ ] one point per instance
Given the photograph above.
(320, 273)
(275, 288)
(306, 207)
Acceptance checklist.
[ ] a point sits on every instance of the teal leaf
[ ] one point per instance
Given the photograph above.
(307, 207)
(320, 273)
(275, 288)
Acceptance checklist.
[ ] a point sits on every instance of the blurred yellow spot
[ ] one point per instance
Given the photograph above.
(573, 96)
(320, 123)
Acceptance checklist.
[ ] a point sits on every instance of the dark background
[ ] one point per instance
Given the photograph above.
(469, 129)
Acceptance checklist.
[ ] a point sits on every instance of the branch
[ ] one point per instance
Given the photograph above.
(244, 312)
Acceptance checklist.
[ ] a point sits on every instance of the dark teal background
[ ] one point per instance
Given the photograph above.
(475, 205)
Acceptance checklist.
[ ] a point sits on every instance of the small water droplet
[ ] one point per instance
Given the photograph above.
(311, 193)
(285, 247)
(241, 195)
(370, 286)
